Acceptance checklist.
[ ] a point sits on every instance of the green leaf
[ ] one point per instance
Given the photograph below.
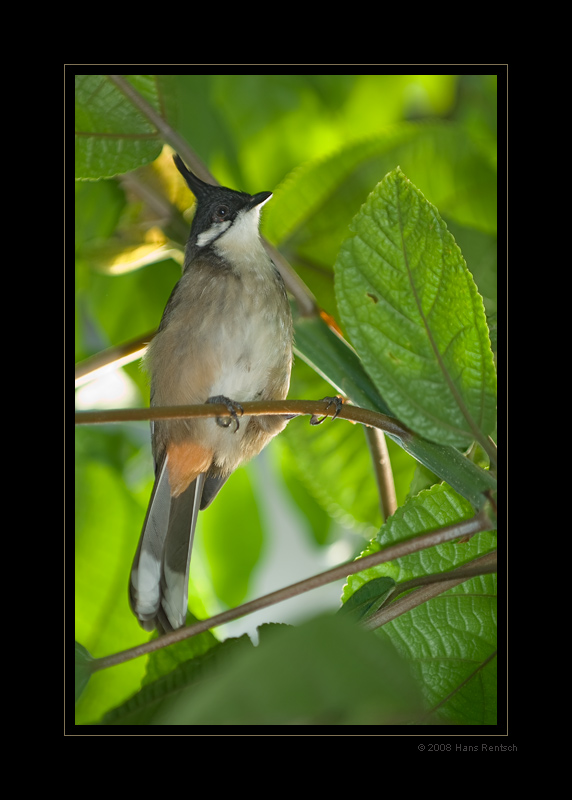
(452, 652)
(162, 662)
(414, 314)
(333, 359)
(108, 523)
(83, 662)
(450, 639)
(480, 252)
(432, 508)
(368, 598)
(98, 206)
(326, 671)
(313, 516)
(144, 706)
(333, 460)
(312, 207)
(233, 536)
(440, 157)
(112, 136)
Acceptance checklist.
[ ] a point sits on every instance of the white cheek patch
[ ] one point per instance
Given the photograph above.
(215, 230)
(242, 236)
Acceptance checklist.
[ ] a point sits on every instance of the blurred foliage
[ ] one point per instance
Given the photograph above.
(321, 143)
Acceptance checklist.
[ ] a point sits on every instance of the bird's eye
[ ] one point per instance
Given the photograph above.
(221, 213)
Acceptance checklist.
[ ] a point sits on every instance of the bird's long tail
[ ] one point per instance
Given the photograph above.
(159, 582)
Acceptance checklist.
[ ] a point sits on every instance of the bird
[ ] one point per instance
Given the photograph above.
(226, 336)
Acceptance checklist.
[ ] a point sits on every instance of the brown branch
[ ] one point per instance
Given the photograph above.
(262, 407)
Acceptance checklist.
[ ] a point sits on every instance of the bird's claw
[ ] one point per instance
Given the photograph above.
(234, 409)
(332, 401)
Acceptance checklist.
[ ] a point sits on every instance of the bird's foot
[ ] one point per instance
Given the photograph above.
(234, 409)
(332, 401)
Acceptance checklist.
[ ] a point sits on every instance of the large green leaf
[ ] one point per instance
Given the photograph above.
(108, 522)
(143, 706)
(443, 160)
(327, 671)
(450, 640)
(334, 461)
(111, 135)
(337, 362)
(432, 508)
(450, 643)
(414, 314)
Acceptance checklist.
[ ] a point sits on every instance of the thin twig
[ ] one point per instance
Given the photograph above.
(112, 358)
(430, 586)
(383, 473)
(476, 524)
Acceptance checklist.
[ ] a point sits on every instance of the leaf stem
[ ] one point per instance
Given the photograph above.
(383, 472)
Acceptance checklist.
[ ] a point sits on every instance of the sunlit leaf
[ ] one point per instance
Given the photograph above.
(414, 314)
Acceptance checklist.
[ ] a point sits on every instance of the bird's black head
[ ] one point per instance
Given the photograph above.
(218, 209)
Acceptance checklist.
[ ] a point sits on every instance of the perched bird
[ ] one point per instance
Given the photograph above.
(225, 337)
